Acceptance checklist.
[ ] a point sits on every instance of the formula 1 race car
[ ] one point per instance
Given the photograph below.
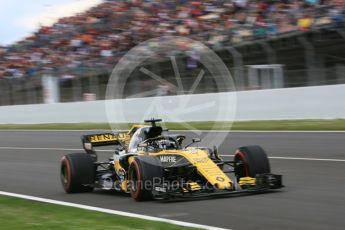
(148, 162)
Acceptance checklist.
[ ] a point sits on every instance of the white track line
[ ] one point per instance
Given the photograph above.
(109, 150)
(52, 149)
(110, 211)
(261, 131)
(308, 159)
(182, 131)
(299, 158)
(55, 130)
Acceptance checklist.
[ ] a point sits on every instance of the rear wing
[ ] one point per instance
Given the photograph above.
(101, 139)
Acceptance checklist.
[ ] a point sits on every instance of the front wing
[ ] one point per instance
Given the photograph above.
(264, 183)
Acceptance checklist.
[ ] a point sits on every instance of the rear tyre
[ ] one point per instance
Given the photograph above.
(77, 173)
(143, 173)
(250, 161)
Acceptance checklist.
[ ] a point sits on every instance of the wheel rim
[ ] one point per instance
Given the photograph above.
(134, 181)
(65, 175)
(241, 169)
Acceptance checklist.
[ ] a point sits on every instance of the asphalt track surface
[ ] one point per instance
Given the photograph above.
(314, 196)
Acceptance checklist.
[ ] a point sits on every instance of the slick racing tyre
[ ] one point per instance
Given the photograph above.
(77, 172)
(143, 172)
(250, 161)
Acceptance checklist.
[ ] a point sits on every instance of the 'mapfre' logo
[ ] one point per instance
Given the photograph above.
(166, 159)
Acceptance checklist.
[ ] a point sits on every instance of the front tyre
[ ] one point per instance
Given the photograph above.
(77, 173)
(143, 173)
(250, 161)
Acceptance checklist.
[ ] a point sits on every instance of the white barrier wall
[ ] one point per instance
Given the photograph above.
(320, 102)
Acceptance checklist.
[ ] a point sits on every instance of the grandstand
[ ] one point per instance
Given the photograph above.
(265, 44)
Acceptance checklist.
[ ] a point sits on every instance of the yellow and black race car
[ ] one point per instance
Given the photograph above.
(148, 162)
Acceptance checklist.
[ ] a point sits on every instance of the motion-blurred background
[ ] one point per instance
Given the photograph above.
(265, 44)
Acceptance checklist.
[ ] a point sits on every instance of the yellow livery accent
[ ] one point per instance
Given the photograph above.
(205, 166)
(102, 138)
(193, 186)
(247, 181)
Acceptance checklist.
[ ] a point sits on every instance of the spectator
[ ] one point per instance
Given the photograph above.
(101, 35)
(305, 22)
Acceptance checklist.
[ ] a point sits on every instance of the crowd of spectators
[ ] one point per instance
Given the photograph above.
(100, 36)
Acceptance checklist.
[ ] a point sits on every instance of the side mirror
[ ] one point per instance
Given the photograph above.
(196, 140)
